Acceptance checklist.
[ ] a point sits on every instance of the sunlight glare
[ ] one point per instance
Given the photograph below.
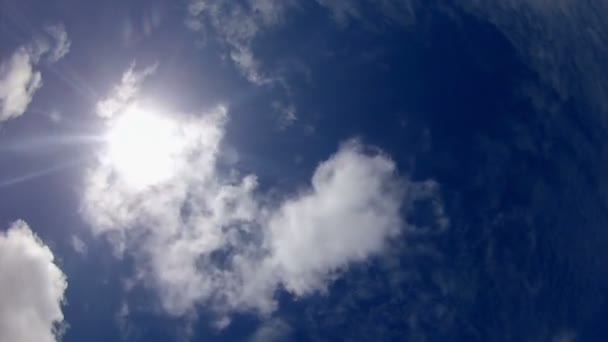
(143, 147)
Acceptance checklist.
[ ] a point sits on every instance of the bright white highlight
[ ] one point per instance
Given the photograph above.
(143, 147)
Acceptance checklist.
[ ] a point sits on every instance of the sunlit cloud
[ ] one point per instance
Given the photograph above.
(201, 235)
(125, 91)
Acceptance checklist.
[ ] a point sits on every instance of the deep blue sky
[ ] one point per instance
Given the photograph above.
(502, 107)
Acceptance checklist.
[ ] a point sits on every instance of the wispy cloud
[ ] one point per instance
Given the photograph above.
(272, 330)
(78, 245)
(125, 91)
(287, 114)
(237, 24)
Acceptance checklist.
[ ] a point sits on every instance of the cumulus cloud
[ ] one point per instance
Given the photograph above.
(18, 84)
(19, 79)
(349, 212)
(209, 236)
(32, 288)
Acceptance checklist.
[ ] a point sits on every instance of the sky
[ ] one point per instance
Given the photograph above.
(284, 170)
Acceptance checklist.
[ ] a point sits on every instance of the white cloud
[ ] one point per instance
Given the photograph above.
(210, 237)
(32, 287)
(18, 84)
(125, 92)
(19, 79)
(348, 214)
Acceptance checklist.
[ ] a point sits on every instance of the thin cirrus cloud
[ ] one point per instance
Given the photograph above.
(210, 237)
(32, 286)
(237, 25)
(19, 77)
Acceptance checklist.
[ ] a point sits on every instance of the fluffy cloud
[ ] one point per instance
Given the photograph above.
(18, 84)
(32, 287)
(19, 80)
(209, 236)
(350, 210)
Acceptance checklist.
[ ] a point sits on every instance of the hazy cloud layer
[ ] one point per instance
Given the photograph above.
(32, 287)
(206, 236)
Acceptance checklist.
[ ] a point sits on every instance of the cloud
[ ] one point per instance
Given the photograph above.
(19, 79)
(342, 11)
(18, 84)
(62, 43)
(125, 92)
(287, 114)
(273, 330)
(237, 24)
(208, 236)
(347, 215)
(32, 287)
(78, 245)
(399, 12)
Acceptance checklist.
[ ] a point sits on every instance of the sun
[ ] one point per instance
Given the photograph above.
(144, 147)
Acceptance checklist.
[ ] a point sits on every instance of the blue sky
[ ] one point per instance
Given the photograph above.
(266, 170)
